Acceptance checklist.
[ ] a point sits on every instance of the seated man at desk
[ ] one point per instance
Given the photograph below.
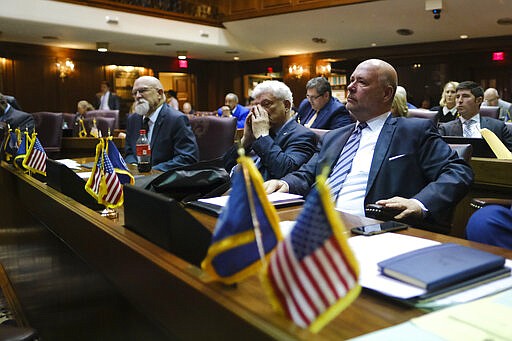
(172, 142)
(15, 118)
(232, 108)
(400, 163)
(469, 97)
(320, 109)
(281, 144)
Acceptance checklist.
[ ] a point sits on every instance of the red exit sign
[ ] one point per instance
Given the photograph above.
(497, 56)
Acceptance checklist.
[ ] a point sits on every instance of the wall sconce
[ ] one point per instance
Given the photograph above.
(182, 55)
(296, 70)
(102, 46)
(65, 68)
(323, 69)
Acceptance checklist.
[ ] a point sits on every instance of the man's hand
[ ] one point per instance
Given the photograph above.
(409, 207)
(248, 137)
(272, 186)
(226, 111)
(260, 121)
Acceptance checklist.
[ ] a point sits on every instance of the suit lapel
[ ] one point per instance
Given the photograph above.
(381, 149)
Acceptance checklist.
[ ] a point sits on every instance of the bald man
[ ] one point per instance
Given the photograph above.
(173, 144)
(492, 98)
(232, 108)
(399, 163)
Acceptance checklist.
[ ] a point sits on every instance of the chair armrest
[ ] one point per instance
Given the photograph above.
(478, 203)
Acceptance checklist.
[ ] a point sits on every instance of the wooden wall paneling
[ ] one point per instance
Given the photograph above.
(270, 4)
(241, 7)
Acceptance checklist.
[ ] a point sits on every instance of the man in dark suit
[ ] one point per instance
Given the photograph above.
(173, 144)
(15, 118)
(232, 108)
(280, 144)
(469, 98)
(400, 163)
(319, 109)
(105, 99)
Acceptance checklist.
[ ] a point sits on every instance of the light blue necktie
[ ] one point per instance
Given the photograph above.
(344, 163)
(468, 130)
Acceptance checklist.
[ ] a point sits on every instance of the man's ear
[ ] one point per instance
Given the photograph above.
(389, 93)
(287, 104)
(479, 100)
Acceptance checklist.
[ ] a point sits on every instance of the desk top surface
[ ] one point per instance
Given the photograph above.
(246, 301)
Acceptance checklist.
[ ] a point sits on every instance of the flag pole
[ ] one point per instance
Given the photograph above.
(254, 218)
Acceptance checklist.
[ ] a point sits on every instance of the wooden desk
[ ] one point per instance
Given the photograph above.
(176, 294)
(75, 147)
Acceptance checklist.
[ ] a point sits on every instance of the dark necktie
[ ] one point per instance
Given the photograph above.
(344, 163)
(145, 124)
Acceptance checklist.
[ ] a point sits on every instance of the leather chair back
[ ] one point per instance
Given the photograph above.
(104, 124)
(464, 151)
(422, 113)
(214, 135)
(493, 112)
(48, 126)
(105, 113)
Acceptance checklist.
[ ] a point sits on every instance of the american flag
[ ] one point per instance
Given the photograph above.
(36, 157)
(313, 275)
(103, 184)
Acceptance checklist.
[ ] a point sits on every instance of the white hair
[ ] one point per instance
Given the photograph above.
(278, 89)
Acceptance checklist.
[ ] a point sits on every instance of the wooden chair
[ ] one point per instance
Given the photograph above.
(49, 131)
(214, 135)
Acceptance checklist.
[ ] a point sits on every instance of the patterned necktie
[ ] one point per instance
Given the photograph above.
(468, 131)
(344, 163)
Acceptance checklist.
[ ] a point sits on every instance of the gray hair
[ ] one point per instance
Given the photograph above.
(278, 89)
(321, 84)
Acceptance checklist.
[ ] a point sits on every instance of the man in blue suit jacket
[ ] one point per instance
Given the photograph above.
(400, 163)
(232, 108)
(173, 144)
(469, 98)
(319, 109)
(279, 142)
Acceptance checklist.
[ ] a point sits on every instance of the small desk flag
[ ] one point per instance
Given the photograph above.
(103, 184)
(235, 252)
(118, 163)
(11, 144)
(22, 150)
(35, 160)
(313, 275)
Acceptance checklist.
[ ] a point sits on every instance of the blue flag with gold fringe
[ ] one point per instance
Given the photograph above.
(118, 163)
(237, 247)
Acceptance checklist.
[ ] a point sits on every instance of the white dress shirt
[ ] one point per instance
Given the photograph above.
(475, 127)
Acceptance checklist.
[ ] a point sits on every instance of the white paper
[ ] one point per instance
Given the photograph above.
(69, 163)
(373, 249)
(84, 175)
(275, 197)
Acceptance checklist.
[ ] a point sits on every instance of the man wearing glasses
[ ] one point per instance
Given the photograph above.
(319, 109)
(279, 144)
(172, 142)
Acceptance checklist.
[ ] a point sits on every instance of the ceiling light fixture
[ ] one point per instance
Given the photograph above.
(182, 55)
(404, 32)
(319, 40)
(463, 36)
(163, 44)
(102, 46)
(504, 21)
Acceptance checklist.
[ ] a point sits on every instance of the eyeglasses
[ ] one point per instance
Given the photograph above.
(313, 97)
(141, 91)
(266, 103)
